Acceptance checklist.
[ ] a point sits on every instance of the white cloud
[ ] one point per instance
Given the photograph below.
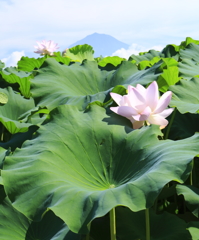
(134, 49)
(12, 59)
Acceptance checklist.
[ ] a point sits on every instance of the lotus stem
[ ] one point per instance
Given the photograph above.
(191, 178)
(156, 205)
(2, 134)
(88, 234)
(113, 224)
(191, 174)
(147, 224)
(194, 173)
(170, 123)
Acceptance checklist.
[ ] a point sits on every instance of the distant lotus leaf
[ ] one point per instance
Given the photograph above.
(150, 63)
(190, 52)
(170, 51)
(188, 68)
(29, 64)
(2, 65)
(167, 78)
(110, 60)
(146, 56)
(82, 164)
(80, 52)
(168, 62)
(59, 58)
(3, 98)
(187, 41)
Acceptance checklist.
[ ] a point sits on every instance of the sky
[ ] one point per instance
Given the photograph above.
(142, 24)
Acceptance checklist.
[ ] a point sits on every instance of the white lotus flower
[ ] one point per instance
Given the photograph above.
(143, 105)
(46, 47)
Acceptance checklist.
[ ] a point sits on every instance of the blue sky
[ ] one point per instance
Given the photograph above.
(143, 24)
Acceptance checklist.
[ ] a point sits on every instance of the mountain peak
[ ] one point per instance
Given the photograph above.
(103, 44)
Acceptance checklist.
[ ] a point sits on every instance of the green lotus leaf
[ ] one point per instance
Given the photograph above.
(29, 64)
(168, 62)
(191, 196)
(35, 116)
(3, 98)
(59, 58)
(82, 164)
(185, 96)
(11, 75)
(131, 225)
(119, 89)
(143, 64)
(13, 70)
(165, 226)
(3, 154)
(80, 52)
(146, 56)
(115, 61)
(176, 47)
(188, 68)
(190, 52)
(2, 65)
(14, 225)
(183, 126)
(80, 85)
(19, 138)
(187, 41)
(170, 51)
(11, 111)
(167, 78)
(193, 228)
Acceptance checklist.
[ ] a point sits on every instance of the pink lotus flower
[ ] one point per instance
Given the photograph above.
(46, 47)
(143, 105)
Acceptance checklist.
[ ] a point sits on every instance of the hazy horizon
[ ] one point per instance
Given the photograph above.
(142, 25)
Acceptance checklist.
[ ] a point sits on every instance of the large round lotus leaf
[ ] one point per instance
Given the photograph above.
(13, 109)
(80, 85)
(14, 225)
(185, 96)
(82, 164)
